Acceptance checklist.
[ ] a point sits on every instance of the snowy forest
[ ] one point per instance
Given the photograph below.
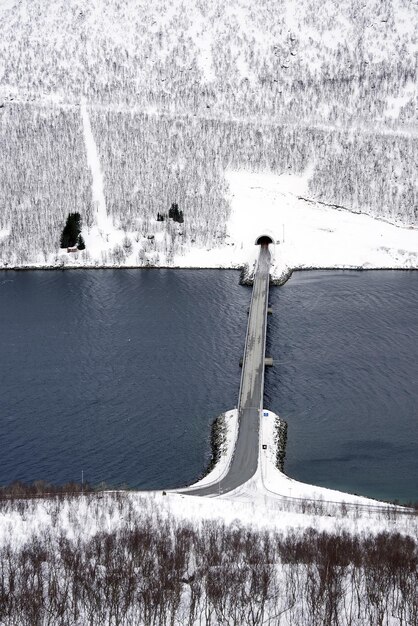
(140, 566)
(174, 94)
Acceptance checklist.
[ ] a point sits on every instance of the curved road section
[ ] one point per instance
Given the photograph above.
(250, 403)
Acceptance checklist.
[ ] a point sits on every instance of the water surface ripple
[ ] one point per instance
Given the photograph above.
(116, 373)
(119, 374)
(346, 379)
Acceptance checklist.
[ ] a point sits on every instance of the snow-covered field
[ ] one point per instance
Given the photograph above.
(310, 234)
(107, 558)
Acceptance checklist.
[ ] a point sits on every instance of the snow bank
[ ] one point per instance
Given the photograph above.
(275, 482)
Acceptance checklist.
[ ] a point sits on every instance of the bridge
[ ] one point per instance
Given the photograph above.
(250, 400)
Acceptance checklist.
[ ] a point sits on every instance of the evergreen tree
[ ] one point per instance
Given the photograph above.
(175, 214)
(80, 243)
(71, 231)
(173, 210)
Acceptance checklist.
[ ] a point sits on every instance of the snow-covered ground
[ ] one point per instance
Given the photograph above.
(103, 227)
(307, 233)
(311, 234)
(87, 519)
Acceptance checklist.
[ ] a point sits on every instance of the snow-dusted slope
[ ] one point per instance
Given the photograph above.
(176, 94)
(135, 52)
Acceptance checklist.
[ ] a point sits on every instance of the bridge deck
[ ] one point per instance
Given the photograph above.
(250, 402)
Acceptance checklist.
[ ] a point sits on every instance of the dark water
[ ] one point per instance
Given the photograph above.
(119, 374)
(346, 379)
(116, 373)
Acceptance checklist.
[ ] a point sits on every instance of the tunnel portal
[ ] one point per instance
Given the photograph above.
(263, 240)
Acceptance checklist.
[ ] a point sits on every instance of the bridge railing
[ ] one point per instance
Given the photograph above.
(265, 336)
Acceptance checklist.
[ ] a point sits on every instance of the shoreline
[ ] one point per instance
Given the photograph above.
(246, 277)
(270, 479)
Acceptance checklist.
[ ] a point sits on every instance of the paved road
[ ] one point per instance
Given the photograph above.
(250, 402)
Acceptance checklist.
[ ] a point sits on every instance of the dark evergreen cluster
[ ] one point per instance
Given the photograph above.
(71, 234)
(80, 243)
(175, 214)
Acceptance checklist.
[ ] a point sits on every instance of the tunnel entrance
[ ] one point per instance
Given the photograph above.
(263, 240)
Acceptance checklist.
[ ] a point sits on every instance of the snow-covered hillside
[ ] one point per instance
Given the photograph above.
(117, 110)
